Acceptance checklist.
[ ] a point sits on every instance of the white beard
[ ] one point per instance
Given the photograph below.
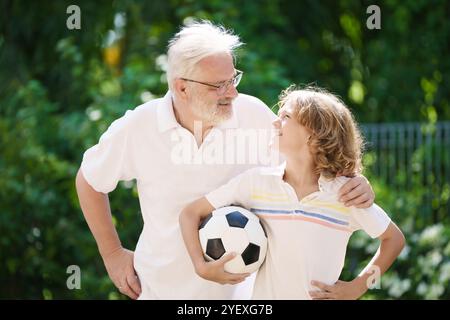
(212, 114)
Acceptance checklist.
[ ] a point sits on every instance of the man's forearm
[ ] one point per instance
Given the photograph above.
(97, 212)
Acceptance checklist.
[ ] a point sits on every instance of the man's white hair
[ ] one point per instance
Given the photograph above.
(194, 42)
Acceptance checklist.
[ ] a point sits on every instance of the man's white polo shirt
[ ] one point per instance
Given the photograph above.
(307, 239)
(148, 144)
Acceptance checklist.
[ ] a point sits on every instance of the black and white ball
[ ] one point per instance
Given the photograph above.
(234, 229)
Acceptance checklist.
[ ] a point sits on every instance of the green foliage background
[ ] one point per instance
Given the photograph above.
(60, 89)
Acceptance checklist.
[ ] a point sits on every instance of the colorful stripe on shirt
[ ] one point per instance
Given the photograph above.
(304, 216)
(269, 197)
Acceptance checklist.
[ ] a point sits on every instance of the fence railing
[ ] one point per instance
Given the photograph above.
(405, 156)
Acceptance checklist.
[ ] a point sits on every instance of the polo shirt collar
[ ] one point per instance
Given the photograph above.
(277, 171)
(166, 115)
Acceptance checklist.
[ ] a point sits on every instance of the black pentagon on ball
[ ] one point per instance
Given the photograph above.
(215, 248)
(205, 221)
(251, 254)
(236, 219)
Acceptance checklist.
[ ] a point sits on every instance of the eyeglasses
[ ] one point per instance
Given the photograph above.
(224, 86)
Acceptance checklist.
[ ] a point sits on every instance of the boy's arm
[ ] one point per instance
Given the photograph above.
(190, 219)
(392, 243)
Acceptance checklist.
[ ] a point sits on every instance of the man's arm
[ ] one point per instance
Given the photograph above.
(118, 261)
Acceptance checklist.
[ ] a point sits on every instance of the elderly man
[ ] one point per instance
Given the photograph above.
(178, 148)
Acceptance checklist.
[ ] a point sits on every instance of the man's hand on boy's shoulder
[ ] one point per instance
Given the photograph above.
(357, 192)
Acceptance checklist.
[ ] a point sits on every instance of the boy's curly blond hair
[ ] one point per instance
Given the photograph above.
(336, 142)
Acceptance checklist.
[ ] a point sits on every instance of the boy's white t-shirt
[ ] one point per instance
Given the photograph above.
(307, 239)
(149, 145)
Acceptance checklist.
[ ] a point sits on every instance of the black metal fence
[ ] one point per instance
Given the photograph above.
(406, 156)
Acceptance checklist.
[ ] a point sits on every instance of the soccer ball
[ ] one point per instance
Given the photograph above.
(234, 229)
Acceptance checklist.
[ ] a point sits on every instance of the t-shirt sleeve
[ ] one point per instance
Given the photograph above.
(373, 220)
(108, 162)
(236, 191)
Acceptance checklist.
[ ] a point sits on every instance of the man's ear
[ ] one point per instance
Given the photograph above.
(180, 88)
